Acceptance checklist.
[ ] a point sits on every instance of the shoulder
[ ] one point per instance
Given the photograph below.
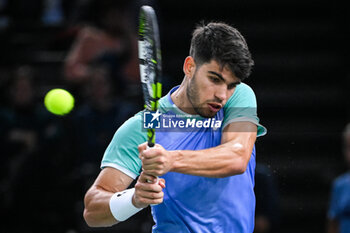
(132, 125)
(242, 96)
(342, 180)
(243, 87)
(131, 133)
(122, 152)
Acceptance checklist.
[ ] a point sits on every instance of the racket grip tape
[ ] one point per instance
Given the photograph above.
(149, 145)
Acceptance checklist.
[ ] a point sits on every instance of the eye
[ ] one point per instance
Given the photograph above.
(214, 79)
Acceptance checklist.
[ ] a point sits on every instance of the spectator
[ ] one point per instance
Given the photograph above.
(108, 29)
(339, 209)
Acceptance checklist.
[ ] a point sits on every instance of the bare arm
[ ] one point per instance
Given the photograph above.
(97, 211)
(109, 181)
(229, 158)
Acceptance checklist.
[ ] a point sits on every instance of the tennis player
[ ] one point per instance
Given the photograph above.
(205, 169)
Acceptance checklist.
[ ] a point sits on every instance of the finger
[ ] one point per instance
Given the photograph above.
(147, 187)
(142, 147)
(151, 167)
(157, 146)
(147, 178)
(153, 172)
(143, 151)
(157, 201)
(150, 161)
(151, 195)
(150, 201)
(151, 152)
(161, 182)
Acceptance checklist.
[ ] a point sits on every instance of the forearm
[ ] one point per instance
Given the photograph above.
(229, 158)
(97, 212)
(224, 160)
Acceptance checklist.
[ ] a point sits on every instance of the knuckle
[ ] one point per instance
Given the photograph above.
(145, 200)
(137, 185)
(145, 155)
(159, 172)
(137, 197)
(159, 201)
(161, 159)
(156, 196)
(151, 172)
(159, 151)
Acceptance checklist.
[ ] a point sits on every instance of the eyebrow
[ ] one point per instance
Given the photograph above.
(222, 78)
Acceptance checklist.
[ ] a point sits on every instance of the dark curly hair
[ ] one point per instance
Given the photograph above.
(223, 43)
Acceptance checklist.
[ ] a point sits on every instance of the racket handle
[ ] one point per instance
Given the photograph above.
(149, 145)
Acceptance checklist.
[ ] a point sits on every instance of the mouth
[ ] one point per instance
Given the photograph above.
(214, 107)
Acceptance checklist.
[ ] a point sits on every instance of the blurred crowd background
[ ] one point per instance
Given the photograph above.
(89, 47)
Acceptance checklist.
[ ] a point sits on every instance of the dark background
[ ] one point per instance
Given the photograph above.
(300, 78)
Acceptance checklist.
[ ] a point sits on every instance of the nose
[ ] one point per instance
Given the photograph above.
(221, 94)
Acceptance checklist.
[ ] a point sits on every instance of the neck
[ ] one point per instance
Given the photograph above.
(180, 99)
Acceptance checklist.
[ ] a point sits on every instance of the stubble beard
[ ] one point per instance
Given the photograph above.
(192, 93)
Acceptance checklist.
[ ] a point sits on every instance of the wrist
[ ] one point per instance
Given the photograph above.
(176, 155)
(121, 205)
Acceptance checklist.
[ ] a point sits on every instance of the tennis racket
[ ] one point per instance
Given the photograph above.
(150, 63)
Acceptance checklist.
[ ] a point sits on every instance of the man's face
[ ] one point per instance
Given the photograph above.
(210, 88)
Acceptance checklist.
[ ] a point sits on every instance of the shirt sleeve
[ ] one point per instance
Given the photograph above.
(122, 152)
(242, 106)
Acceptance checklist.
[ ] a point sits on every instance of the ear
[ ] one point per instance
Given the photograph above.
(189, 67)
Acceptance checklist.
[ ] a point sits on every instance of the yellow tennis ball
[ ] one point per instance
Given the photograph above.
(59, 101)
